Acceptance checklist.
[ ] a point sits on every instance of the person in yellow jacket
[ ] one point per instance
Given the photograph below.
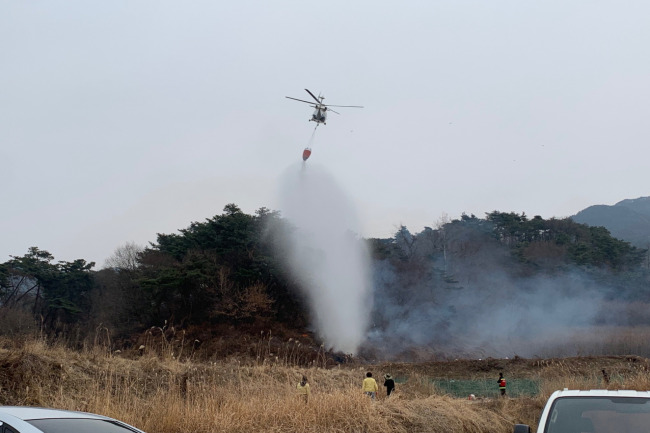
(370, 387)
(303, 389)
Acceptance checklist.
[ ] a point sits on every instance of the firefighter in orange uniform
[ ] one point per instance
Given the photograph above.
(502, 384)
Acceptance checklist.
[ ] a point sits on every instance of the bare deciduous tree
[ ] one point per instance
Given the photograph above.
(125, 257)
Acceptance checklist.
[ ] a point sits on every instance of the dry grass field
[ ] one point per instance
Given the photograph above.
(156, 392)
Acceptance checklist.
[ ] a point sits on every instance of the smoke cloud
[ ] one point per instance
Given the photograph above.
(452, 293)
(500, 316)
(459, 293)
(330, 263)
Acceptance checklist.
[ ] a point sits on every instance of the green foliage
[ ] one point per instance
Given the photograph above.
(57, 292)
(583, 245)
(219, 269)
(4, 275)
(67, 294)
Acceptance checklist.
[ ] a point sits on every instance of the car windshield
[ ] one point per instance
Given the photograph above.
(598, 415)
(78, 425)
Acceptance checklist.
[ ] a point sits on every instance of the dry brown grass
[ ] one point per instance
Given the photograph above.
(160, 394)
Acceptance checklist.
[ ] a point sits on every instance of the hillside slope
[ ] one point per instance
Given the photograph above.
(628, 220)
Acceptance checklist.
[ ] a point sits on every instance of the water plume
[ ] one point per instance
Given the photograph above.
(328, 260)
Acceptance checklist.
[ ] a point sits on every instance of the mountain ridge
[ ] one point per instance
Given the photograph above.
(629, 219)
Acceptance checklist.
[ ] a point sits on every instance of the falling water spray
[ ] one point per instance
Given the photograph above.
(330, 263)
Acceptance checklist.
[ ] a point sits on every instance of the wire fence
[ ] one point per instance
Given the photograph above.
(486, 388)
(481, 388)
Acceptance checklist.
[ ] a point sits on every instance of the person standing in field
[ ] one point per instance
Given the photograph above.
(389, 383)
(502, 384)
(303, 389)
(369, 386)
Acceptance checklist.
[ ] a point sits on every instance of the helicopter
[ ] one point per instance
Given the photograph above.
(320, 114)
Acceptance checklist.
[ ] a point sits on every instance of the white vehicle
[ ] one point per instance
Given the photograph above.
(24, 419)
(594, 411)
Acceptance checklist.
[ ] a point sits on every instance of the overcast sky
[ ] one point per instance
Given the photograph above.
(122, 119)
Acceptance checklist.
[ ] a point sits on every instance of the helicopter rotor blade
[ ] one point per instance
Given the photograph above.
(346, 106)
(312, 95)
(329, 109)
(306, 102)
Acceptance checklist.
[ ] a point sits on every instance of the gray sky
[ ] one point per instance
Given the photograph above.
(123, 119)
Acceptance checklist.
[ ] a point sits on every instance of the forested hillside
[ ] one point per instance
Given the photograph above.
(502, 285)
(469, 286)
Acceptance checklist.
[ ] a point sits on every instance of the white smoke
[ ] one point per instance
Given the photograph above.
(328, 260)
(499, 314)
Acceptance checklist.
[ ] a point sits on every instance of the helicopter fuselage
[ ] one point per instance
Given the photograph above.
(321, 109)
(319, 115)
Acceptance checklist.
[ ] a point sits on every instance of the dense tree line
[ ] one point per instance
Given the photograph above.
(462, 251)
(224, 269)
(582, 244)
(227, 269)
